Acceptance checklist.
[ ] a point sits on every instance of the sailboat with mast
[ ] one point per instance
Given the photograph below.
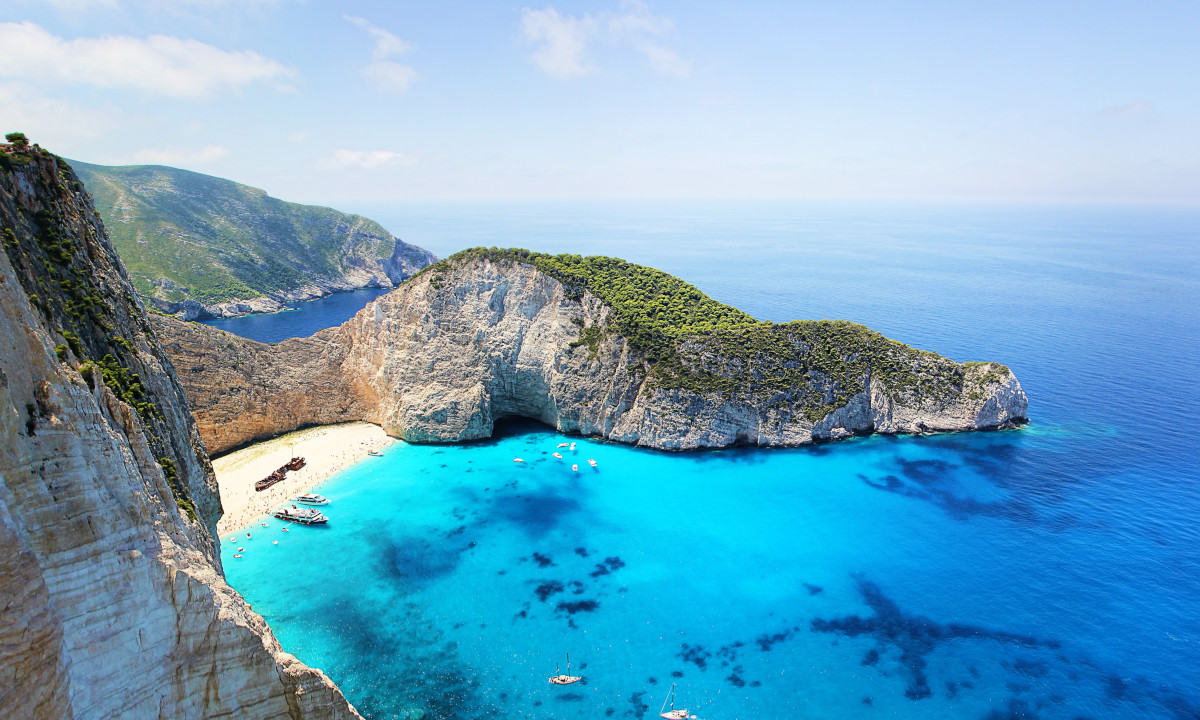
(560, 679)
(673, 714)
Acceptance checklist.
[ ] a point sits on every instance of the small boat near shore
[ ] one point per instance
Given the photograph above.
(563, 445)
(591, 462)
(304, 516)
(518, 460)
(312, 499)
(374, 453)
(575, 468)
(557, 455)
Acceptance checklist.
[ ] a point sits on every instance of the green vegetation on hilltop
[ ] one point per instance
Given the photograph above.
(692, 342)
(183, 235)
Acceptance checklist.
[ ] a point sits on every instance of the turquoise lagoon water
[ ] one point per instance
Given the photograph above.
(1046, 572)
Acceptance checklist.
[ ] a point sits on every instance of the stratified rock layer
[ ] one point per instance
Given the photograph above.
(446, 355)
(114, 601)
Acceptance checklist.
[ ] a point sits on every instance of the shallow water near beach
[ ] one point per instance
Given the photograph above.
(1045, 572)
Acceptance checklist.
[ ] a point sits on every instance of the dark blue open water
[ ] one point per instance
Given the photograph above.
(1048, 572)
(300, 319)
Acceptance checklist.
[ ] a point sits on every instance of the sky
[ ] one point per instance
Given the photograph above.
(391, 101)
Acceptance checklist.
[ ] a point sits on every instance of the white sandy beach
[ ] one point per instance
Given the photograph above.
(327, 449)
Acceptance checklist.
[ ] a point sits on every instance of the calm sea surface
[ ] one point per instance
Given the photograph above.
(301, 319)
(1047, 572)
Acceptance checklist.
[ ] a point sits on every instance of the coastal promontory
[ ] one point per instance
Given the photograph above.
(589, 345)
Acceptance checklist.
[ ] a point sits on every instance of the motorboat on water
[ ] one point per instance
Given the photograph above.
(557, 455)
(374, 453)
(673, 714)
(304, 516)
(564, 679)
(591, 462)
(312, 499)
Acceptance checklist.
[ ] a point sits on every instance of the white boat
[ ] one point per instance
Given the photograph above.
(562, 445)
(673, 714)
(304, 516)
(312, 499)
(575, 468)
(374, 453)
(557, 455)
(591, 462)
(572, 446)
(568, 679)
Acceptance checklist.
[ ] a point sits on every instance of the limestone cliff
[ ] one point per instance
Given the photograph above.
(490, 334)
(115, 605)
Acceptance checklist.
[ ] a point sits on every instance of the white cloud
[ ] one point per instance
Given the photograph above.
(178, 156)
(390, 76)
(665, 61)
(368, 159)
(159, 64)
(564, 39)
(53, 122)
(386, 44)
(69, 7)
(387, 75)
(1131, 109)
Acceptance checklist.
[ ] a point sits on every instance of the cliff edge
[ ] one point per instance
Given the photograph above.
(595, 346)
(115, 605)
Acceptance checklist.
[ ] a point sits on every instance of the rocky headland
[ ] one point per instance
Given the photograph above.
(594, 346)
(198, 246)
(115, 603)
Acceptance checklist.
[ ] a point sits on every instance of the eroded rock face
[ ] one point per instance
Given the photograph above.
(114, 601)
(449, 353)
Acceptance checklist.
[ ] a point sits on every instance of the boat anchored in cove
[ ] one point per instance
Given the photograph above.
(568, 679)
(304, 516)
(312, 499)
(673, 714)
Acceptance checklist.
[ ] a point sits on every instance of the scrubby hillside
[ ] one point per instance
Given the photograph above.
(203, 246)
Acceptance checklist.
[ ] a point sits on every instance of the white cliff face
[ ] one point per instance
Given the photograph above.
(115, 604)
(448, 354)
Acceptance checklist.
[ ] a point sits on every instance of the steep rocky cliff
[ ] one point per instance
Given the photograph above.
(115, 605)
(587, 345)
(200, 246)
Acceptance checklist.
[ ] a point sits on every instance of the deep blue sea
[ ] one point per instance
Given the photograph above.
(300, 319)
(1047, 572)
